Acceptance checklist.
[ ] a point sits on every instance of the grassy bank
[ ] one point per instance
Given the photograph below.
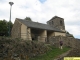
(27, 50)
(51, 54)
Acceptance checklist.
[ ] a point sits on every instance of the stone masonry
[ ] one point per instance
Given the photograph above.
(67, 41)
(57, 22)
(16, 30)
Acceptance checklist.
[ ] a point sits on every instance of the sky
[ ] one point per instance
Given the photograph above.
(43, 10)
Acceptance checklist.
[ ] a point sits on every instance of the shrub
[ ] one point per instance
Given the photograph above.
(17, 47)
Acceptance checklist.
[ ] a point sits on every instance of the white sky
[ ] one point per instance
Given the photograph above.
(43, 10)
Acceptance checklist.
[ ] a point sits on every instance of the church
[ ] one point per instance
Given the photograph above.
(29, 30)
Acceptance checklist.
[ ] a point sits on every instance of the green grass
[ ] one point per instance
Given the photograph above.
(50, 55)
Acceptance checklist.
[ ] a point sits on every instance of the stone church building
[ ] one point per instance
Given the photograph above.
(29, 30)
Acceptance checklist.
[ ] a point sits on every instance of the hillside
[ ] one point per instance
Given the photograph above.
(74, 53)
(12, 49)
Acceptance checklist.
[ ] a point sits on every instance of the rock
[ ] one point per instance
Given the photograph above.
(75, 52)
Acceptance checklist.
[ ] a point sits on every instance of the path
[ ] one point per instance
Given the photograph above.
(60, 57)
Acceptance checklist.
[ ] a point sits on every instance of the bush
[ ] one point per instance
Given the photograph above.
(21, 48)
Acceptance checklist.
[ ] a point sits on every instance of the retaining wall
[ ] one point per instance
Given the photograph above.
(67, 41)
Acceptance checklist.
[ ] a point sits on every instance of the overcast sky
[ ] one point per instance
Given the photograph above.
(43, 10)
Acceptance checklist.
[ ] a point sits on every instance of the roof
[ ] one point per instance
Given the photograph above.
(55, 18)
(32, 24)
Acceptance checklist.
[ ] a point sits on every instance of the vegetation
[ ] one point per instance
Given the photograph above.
(4, 27)
(22, 49)
(68, 34)
(27, 50)
(28, 19)
(50, 55)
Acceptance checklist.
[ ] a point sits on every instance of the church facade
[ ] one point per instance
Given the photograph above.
(29, 30)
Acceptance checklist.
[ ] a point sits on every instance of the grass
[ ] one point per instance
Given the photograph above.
(50, 55)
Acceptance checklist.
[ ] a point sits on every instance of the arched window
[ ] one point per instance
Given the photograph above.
(61, 23)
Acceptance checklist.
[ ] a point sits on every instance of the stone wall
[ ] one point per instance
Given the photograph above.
(67, 41)
(16, 30)
(57, 22)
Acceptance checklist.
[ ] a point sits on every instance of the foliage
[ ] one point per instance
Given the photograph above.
(28, 19)
(70, 35)
(19, 47)
(50, 55)
(67, 32)
(4, 27)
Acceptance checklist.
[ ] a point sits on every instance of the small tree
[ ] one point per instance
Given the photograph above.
(28, 19)
(4, 27)
(69, 34)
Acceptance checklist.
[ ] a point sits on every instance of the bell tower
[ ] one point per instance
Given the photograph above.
(57, 22)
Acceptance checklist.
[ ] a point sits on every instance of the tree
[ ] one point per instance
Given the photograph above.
(70, 35)
(4, 27)
(28, 19)
(67, 32)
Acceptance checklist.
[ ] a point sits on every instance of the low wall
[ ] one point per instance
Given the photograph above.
(67, 41)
